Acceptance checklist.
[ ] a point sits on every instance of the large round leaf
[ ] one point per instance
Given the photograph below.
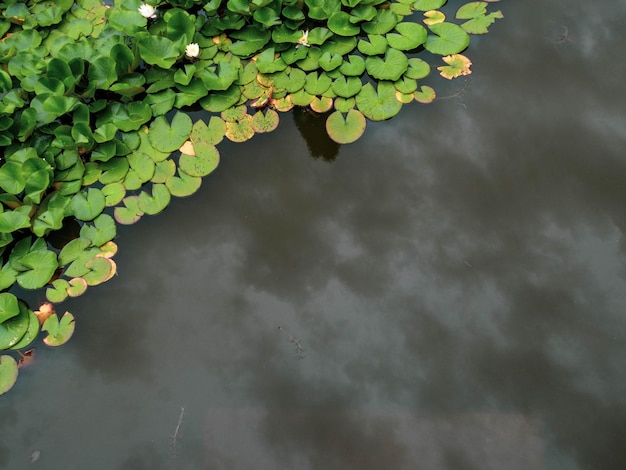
(449, 39)
(13, 329)
(158, 50)
(345, 130)
(167, 138)
(378, 104)
(40, 268)
(407, 36)
(339, 23)
(391, 67)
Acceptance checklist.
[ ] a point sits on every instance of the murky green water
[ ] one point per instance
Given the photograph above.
(448, 293)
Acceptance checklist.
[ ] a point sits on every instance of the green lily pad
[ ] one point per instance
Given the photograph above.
(76, 287)
(406, 85)
(158, 50)
(330, 62)
(8, 373)
(347, 86)
(317, 84)
(183, 185)
(102, 230)
(354, 65)
(339, 23)
(378, 104)
(58, 291)
(72, 251)
(162, 171)
(13, 329)
(15, 219)
(418, 69)
(346, 129)
(375, 45)
(221, 100)
(344, 105)
(448, 38)
(59, 332)
(40, 265)
(8, 306)
(166, 137)
(88, 204)
(114, 193)
(130, 213)
(383, 23)
(425, 5)
(391, 67)
(301, 98)
(156, 202)
(31, 332)
(408, 36)
(141, 170)
(101, 269)
(213, 133)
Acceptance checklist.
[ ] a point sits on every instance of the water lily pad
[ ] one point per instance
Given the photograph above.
(339, 23)
(425, 5)
(88, 204)
(31, 332)
(391, 67)
(302, 98)
(330, 62)
(383, 23)
(448, 38)
(213, 133)
(166, 137)
(58, 291)
(404, 98)
(417, 69)
(406, 86)
(72, 251)
(346, 87)
(40, 265)
(433, 17)
(59, 332)
(344, 105)
(425, 95)
(407, 36)
(114, 193)
(265, 121)
(183, 185)
(141, 170)
(8, 373)
(282, 104)
(76, 287)
(204, 159)
(130, 213)
(240, 130)
(458, 65)
(354, 65)
(8, 306)
(221, 100)
(346, 129)
(375, 45)
(101, 269)
(158, 50)
(13, 329)
(378, 104)
(162, 171)
(102, 230)
(317, 84)
(321, 104)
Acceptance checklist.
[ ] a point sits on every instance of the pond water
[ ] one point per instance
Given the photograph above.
(447, 293)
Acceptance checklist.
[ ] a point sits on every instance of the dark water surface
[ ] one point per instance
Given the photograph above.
(448, 293)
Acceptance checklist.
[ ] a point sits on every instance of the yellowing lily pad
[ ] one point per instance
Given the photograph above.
(321, 104)
(434, 17)
(346, 129)
(241, 130)
(458, 65)
(265, 121)
(425, 95)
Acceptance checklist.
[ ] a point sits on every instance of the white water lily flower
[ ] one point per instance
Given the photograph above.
(192, 50)
(147, 11)
(304, 40)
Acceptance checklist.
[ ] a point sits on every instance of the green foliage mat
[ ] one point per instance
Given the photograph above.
(93, 124)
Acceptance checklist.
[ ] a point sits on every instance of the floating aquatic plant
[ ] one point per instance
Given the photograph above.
(94, 129)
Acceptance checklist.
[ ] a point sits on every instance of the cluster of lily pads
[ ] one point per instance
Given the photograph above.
(94, 129)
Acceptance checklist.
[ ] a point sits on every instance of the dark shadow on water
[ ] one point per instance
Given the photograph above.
(312, 128)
